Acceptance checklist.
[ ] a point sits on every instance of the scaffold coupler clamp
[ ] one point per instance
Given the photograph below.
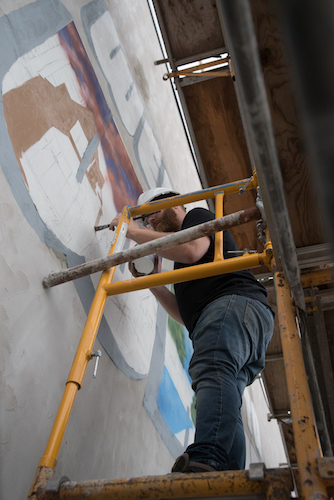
(261, 223)
(256, 471)
(54, 484)
(97, 355)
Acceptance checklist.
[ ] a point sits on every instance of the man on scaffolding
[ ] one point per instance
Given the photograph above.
(230, 324)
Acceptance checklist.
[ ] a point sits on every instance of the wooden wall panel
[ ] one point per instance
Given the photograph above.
(192, 27)
(299, 188)
(215, 118)
(274, 372)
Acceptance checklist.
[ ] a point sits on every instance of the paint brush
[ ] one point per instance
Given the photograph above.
(105, 226)
(99, 228)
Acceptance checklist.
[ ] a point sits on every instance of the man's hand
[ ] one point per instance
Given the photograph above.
(187, 253)
(166, 298)
(156, 269)
(114, 222)
(132, 227)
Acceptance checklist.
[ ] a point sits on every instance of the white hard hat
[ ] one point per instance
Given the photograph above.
(155, 193)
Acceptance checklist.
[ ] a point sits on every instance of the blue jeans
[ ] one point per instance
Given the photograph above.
(230, 340)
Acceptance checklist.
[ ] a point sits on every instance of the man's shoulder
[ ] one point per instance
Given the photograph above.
(199, 214)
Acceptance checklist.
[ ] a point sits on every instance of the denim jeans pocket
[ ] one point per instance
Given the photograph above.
(213, 312)
(259, 322)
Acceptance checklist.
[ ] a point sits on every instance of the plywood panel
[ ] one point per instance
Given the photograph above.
(216, 122)
(300, 196)
(274, 372)
(274, 375)
(192, 27)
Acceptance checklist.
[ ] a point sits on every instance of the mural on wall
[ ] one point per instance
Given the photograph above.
(175, 399)
(107, 49)
(68, 169)
(168, 397)
(71, 157)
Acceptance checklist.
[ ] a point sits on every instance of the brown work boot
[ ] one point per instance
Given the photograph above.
(182, 464)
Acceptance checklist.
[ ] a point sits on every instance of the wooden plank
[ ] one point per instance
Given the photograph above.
(192, 26)
(274, 374)
(299, 186)
(214, 114)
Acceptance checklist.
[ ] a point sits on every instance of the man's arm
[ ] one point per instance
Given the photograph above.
(166, 298)
(168, 301)
(186, 253)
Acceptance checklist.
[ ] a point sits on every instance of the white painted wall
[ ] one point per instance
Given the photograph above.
(111, 431)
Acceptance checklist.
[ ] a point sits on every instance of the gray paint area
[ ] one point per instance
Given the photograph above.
(87, 157)
(116, 428)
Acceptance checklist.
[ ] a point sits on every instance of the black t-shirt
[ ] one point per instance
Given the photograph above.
(193, 296)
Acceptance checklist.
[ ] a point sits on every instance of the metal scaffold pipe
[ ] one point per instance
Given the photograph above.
(304, 427)
(83, 355)
(239, 33)
(222, 266)
(154, 246)
(276, 484)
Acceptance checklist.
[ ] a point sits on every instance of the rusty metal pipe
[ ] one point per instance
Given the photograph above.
(318, 277)
(304, 427)
(154, 246)
(275, 486)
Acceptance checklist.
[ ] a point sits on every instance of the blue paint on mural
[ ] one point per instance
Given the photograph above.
(171, 406)
(189, 352)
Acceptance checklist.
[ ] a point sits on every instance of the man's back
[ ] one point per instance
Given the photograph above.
(193, 296)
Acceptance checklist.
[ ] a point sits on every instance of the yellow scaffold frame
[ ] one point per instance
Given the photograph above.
(235, 482)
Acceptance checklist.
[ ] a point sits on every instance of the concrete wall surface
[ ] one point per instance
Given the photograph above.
(86, 124)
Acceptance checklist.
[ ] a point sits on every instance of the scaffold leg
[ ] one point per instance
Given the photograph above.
(305, 434)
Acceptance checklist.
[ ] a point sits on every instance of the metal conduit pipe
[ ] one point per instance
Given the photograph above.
(238, 29)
